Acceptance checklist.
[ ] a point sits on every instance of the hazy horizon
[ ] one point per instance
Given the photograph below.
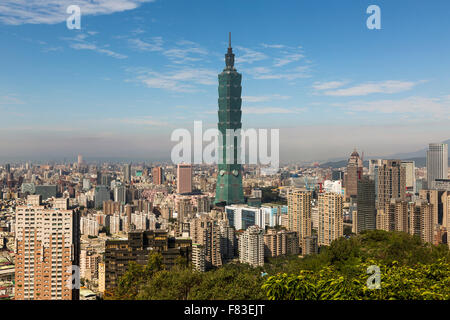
(139, 69)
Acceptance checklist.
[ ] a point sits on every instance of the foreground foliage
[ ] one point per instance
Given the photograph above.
(422, 282)
(409, 269)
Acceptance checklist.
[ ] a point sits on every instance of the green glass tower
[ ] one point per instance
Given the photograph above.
(229, 178)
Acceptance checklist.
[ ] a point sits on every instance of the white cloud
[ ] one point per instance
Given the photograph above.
(80, 42)
(273, 46)
(289, 58)
(249, 55)
(94, 47)
(185, 52)
(8, 100)
(389, 86)
(264, 98)
(438, 108)
(17, 12)
(155, 44)
(180, 80)
(264, 73)
(271, 110)
(328, 85)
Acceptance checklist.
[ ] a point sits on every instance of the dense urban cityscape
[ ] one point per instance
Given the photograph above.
(100, 217)
(359, 228)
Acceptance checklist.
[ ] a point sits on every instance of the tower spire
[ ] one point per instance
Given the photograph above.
(229, 56)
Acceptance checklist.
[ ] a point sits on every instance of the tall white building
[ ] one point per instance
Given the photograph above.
(241, 216)
(437, 163)
(251, 246)
(410, 173)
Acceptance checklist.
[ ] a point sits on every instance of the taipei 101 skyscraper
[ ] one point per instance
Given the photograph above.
(229, 178)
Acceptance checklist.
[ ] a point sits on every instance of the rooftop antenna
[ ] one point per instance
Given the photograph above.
(229, 40)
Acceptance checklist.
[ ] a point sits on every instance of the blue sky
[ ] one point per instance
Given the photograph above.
(139, 69)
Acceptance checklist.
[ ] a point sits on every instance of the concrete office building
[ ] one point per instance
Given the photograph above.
(241, 216)
(437, 163)
(410, 175)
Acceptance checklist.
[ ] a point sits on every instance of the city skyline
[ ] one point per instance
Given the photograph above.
(137, 70)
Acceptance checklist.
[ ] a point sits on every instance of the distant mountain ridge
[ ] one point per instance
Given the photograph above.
(419, 157)
(416, 154)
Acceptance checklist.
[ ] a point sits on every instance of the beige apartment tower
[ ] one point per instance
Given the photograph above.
(299, 212)
(279, 243)
(205, 232)
(331, 218)
(47, 250)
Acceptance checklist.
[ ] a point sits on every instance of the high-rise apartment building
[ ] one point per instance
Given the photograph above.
(400, 214)
(127, 173)
(47, 251)
(184, 178)
(205, 231)
(448, 219)
(354, 172)
(227, 240)
(299, 212)
(437, 163)
(373, 163)
(422, 222)
(80, 160)
(366, 212)
(157, 174)
(279, 243)
(438, 200)
(119, 253)
(101, 194)
(101, 277)
(251, 246)
(390, 182)
(383, 219)
(331, 218)
(183, 208)
(89, 262)
(310, 245)
(120, 194)
(198, 257)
